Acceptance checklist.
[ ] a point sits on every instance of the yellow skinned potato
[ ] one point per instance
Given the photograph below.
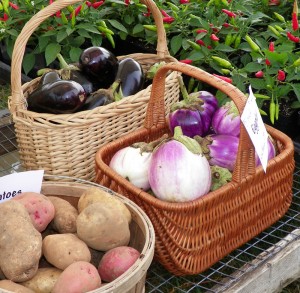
(65, 217)
(39, 207)
(20, 242)
(11, 286)
(103, 227)
(79, 277)
(61, 250)
(94, 194)
(43, 281)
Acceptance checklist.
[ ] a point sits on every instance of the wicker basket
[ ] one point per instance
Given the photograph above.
(141, 229)
(66, 144)
(192, 236)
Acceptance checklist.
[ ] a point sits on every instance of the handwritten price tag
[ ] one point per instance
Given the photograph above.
(256, 129)
(16, 183)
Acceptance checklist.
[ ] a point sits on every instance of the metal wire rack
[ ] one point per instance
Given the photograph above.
(223, 274)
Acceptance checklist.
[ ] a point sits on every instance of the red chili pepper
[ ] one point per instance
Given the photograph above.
(5, 17)
(293, 38)
(13, 6)
(225, 78)
(199, 31)
(168, 19)
(213, 37)
(99, 3)
(209, 47)
(148, 13)
(271, 47)
(268, 63)
(225, 24)
(88, 3)
(274, 2)
(77, 10)
(295, 23)
(127, 2)
(200, 42)
(50, 2)
(184, 1)
(186, 61)
(215, 30)
(229, 13)
(58, 14)
(281, 75)
(259, 74)
(164, 13)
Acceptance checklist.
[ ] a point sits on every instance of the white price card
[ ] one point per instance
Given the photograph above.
(16, 183)
(256, 129)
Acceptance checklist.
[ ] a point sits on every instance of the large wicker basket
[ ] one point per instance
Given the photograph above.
(141, 230)
(66, 144)
(192, 236)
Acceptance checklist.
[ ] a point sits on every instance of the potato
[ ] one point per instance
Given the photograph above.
(79, 277)
(14, 287)
(94, 194)
(61, 250)
(103, 227)
(44, 280)
(116, 262)
(20, 242)
(39, 207)
(65, 215)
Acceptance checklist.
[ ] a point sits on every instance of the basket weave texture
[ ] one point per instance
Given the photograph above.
(192, 236)
(65, 144)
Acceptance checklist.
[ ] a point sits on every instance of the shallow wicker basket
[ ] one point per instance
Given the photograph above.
(192, 236)
(65, 144)
(141, 229)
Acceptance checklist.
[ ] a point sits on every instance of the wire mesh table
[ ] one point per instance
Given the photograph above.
(223, 274)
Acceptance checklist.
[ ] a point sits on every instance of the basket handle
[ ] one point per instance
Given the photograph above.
(17, 100)
(155, 115)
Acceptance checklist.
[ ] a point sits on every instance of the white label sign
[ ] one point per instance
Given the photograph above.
(16, 183)
(256, 129)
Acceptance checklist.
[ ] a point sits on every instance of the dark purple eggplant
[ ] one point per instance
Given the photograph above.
(56, 96)
(131, 75)
(99, 65)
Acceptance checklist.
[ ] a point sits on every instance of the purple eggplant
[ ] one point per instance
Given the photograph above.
(194, 113)
(220, 149)
(226, 120)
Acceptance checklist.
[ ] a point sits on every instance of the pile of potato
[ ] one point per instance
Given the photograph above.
(47, 245)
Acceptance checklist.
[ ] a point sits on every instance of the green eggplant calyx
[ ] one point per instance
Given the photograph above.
(153, 69)
(220, 176)
(149, 147)
(191, 144)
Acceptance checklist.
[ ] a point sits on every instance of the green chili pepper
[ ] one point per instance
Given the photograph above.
(225, 2)
(222, 62)
(194, 45)
(191, 84)
(274, 31)
(73, 19)
(225, 71)
(1, 7)
(279, 28)
(140, 5)
(70, 8)
(150, 27)
(296, 62)
(210, 2)
(252, 44)
(5, 5)
(63, 18)
(237, 41)
(173, 6)
(228, 39)
(105, 30)
(272, 111)
(111, 40)
(279, 17)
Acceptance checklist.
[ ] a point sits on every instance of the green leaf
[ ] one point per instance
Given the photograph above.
(51, 52)
(252, 67)
(96, 40)
(61, 35)
(78, 41)
(12, 32)
(176, 43)
(296, 88)
(28, 62)
(83, 33)
(275, 57)
(43, 42)
(138, 28)
(128, 19)
(196, 55)
(258, 84)
(224, 48)
(75, 53)
(88, 27)
(118, 25)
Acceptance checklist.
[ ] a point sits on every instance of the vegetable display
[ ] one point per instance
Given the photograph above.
(60, 257)
(98, 79)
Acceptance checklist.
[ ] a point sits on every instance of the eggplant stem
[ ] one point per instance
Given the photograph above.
(183, 89)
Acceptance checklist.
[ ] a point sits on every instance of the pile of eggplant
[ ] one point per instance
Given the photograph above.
(98, 79)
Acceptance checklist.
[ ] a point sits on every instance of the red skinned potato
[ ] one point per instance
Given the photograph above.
(39, 207)
(117, 261)
(14, 287)
(79, 277)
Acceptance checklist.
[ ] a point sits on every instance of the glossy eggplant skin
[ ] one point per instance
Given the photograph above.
(96, 99)
(77, 76)
(99, 65)
(131, 75)
(56, 96)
